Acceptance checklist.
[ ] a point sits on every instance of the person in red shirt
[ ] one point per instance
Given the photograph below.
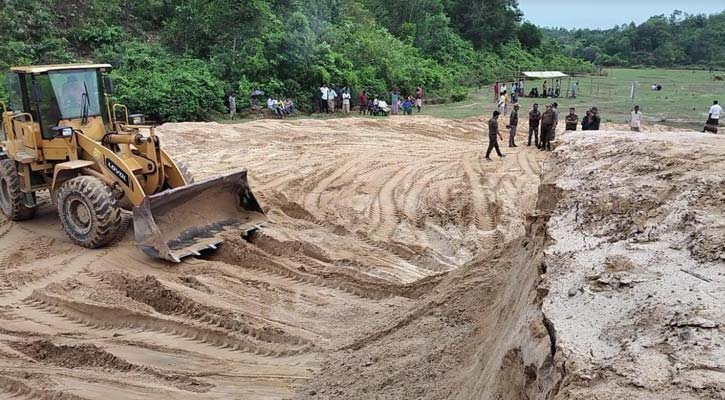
(363, 101)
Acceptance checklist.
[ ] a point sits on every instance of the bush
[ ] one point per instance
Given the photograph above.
(152, 82)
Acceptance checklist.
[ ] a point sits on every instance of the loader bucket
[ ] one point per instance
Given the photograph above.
(183, 221)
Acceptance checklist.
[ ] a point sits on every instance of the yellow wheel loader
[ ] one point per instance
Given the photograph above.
(62, 134)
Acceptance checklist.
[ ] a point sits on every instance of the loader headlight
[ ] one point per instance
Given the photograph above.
(62, 131)
(137, 119)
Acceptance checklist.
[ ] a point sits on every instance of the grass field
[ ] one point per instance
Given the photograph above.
(683, 102)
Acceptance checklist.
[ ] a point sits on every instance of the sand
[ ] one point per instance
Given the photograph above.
(366, 217)
(396, 264)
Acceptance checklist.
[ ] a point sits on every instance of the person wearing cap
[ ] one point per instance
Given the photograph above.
(513, 123)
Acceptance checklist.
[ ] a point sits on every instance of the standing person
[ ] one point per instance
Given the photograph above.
(496, 91)
(493, 136)
(363, 99)
(574, 87)
(394, 97)
(544, 87)
(324, 96)
(331, 95)
(534, 118)
(419, 96)
(502, 103)
(232, 105)
(503, 87)
(521, 88)
(346, 101)
(587, 121)
(596, 120)
(408, 106)
(507, 101)
(547, 128)
(713, 117)
(571, 120)
(557, 92)
(513, 124)
(635, 122)
(555, 109)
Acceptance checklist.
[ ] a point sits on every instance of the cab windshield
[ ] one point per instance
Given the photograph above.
(77, 93)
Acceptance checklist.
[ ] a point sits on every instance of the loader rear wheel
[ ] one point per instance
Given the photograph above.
(89, 211)
(12, 198)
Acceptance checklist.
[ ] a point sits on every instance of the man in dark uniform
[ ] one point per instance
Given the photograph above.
(571, 120)
(534, 118)
(493, 136)
(547, 127)
(596, 120)
(513, 124)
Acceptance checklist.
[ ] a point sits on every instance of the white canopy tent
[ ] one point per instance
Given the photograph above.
(543, 74)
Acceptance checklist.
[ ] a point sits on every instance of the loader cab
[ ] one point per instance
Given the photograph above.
(60, 97)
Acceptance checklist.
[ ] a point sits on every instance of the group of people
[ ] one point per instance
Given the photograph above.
(330, 100)
(281, 108)
(542, 126)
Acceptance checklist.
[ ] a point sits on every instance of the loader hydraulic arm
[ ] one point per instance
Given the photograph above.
(112, 166)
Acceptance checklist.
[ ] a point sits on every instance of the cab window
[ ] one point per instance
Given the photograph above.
(15, 92)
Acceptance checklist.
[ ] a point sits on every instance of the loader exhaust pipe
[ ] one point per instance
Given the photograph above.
(184, 221)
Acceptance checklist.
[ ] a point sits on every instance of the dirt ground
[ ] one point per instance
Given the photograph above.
(365, 217)
(397, 264)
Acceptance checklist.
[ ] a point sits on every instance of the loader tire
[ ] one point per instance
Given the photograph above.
(12, 198)
(89, 212)
(184, 169)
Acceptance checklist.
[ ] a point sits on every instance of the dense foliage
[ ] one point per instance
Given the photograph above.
(178, 59)
(677, 40)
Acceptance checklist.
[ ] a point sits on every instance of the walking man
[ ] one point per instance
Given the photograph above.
(513, 124)
(496, 91)
(534, 118)
(571, 120)
(232, 105)
(493, 136)
(547, 127)
(635, 123)
(574, 87)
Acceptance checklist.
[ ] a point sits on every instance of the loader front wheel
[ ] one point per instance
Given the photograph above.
(12, 198)
(89, 211)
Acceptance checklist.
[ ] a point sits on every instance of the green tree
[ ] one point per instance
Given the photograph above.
(529, 35)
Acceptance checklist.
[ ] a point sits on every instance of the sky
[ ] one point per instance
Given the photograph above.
(604, 14)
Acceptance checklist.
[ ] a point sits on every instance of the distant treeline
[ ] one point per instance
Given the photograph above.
(179, 59)
(680, 40)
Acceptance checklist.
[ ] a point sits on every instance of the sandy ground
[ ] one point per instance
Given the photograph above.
(396, 265)
(366, 218)
(636, 274)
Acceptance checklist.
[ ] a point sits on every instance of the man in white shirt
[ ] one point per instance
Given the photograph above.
(713, 118)
(635, 123)
(325, 92)
(346, 101)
